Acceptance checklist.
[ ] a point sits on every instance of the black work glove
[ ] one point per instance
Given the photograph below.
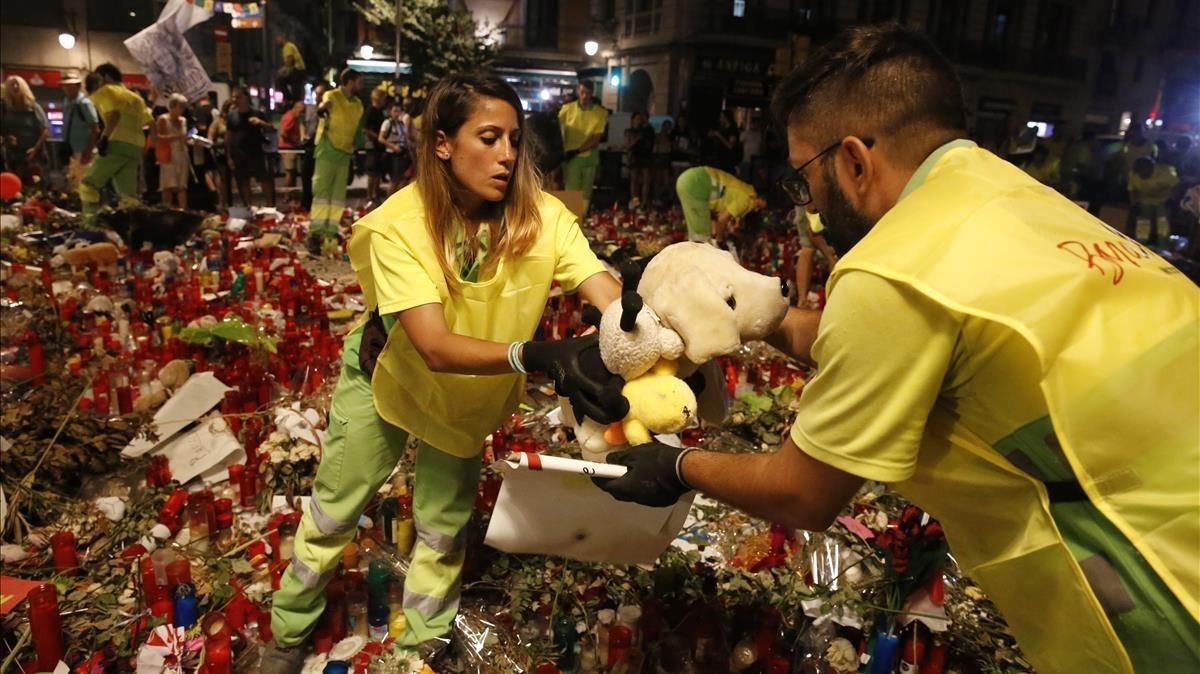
(653, 478)
(578, 373)
(323, 112)
(569, 155)
(102, 146)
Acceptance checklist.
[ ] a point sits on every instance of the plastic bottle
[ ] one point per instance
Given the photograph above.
(404, 531)
(356, 613)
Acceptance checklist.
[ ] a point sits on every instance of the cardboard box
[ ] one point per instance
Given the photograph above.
(572, 199)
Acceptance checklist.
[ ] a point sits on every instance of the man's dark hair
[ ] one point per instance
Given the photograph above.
(588, 84)
(92, 82)
(348, 75)
(884, 81)
(109, 70)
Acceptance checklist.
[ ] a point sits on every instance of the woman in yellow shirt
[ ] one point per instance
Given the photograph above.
(456, 269)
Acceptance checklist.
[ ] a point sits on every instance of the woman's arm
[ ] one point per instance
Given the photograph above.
(445, 351)
(600, 290)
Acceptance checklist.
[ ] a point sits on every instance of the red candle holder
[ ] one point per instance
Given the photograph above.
(178, 572)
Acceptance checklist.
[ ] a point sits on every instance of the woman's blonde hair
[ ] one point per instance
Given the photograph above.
(24, 99)
(518, 217)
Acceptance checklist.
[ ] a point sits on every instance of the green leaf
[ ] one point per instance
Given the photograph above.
(757, 403)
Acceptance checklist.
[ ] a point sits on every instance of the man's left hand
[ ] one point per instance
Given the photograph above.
(654, 478)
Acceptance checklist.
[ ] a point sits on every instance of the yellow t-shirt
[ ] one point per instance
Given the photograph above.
(290, 49)
(886, 355)
(730, 195)
(342, 124)
(394, 257)
(1155, 190)
(134, 113)
(578, 124)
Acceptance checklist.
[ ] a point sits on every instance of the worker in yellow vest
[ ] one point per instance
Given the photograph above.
(339, 133)
(1003, 359)
(582, 123)
(456, 269)
(119, 149)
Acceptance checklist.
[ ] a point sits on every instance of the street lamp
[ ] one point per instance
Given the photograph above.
(66, 36)
(366, 51)
(591, 47)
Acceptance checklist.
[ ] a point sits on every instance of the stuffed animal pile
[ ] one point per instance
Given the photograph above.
(692, 303)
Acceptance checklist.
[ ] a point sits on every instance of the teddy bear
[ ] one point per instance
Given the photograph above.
(692, 303)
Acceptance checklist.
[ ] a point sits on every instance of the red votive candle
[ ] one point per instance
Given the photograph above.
(62, 548)
(46, 625)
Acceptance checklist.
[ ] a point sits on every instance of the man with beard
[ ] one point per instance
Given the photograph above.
(1001, 357)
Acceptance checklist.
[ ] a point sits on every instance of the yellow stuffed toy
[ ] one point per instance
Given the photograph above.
(659, 402)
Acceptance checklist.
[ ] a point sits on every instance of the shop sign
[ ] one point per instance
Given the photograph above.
(732, 65)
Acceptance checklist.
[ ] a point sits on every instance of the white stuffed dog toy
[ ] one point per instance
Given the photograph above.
(692, 303)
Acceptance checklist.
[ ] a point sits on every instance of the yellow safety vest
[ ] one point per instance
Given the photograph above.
(455, 412)
(342, 123)
(1117, 333)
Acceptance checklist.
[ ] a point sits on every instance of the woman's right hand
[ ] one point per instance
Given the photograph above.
(578, 373)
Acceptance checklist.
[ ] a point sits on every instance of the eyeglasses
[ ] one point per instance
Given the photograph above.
(796, 185)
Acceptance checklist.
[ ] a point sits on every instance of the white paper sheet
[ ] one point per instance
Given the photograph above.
(200, 449)
(564, 514)
(199, 394)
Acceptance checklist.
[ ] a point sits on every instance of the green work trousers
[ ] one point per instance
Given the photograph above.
(360, 452)
(330, 174)
(120, 165)
(580, 174)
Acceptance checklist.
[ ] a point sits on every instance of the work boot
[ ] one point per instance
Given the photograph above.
(314, 243)
(278, 659)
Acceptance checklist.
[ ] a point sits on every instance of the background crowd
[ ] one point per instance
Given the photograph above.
(212, 155)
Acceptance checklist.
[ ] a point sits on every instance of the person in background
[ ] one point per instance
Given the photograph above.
(704, 191)
(244, 139)
(291, 140)
(290, 76)
(171, 152)
(752, 146)
(1044, 166)
(201, 117)
(81, 128)
(582, 123)
(310, 134)
(724, 146)
(661, 162)
(376, 162)
(1150, 186)
(339, 132)
(119, 148)
(1136, 146)
(683, 141)
(25, 130)
(639, 148)
(809, 231)
(394, 136)
(221, 179)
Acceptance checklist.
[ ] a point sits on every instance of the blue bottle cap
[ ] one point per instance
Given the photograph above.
(337, 667)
